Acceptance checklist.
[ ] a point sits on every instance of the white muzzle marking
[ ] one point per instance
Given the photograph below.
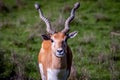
(60, 52)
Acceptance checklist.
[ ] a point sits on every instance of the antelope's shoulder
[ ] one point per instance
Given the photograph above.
(46, 44)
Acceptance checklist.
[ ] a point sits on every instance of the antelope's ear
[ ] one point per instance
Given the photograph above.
(45, 37)
(72, 34)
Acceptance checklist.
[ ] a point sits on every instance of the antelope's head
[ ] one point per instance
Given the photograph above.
(59, 39)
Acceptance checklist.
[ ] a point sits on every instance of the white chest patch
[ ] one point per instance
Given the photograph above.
(57, 74)
(54, 74)
(41, 72)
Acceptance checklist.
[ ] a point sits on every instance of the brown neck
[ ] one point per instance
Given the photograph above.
(59, 63)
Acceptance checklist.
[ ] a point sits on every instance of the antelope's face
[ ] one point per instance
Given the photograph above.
(59, 42)
(59, 39)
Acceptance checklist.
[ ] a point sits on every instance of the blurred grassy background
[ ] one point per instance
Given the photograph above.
(96, 49)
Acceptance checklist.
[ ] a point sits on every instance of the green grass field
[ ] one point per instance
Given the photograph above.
(96, 48)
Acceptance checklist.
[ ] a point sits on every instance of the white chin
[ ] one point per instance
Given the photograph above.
(60, 54)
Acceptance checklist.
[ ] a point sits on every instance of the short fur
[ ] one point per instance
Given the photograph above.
(50, 61)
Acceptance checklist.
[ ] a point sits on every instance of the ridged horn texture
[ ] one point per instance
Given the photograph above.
(70, 18)
(49, 30)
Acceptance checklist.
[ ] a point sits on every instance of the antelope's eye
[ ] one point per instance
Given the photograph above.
(66, 39)
(63, 42)
(52, 41)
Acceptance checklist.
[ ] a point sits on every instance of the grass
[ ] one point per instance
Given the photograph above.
(96, 49)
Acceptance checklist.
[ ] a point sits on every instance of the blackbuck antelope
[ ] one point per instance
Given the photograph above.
(55, 56)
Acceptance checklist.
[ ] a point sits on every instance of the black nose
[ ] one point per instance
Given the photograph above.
(60, 51)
